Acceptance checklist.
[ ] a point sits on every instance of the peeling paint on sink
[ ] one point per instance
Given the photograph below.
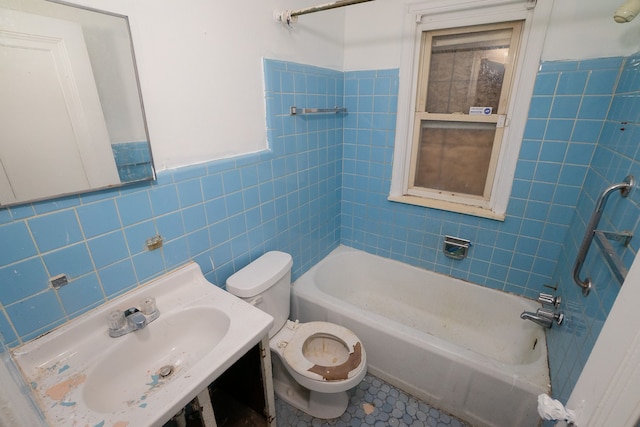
(82, 377)
(60, 390)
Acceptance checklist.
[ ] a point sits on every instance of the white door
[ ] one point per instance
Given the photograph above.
(53, 138)
(607, 393)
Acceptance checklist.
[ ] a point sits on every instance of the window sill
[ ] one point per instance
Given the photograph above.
(449, 206)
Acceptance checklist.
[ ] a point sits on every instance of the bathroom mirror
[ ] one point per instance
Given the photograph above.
(71, 113)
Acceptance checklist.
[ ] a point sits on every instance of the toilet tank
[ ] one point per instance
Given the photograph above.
(266, 283)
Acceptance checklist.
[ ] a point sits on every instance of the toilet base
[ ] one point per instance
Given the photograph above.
(314, 403)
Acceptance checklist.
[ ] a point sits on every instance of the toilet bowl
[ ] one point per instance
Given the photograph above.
(314, 363)
(320, 356)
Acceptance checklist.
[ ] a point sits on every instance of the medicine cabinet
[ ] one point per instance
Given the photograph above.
(71, 113)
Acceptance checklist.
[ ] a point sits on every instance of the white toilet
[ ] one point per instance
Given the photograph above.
(314, 363)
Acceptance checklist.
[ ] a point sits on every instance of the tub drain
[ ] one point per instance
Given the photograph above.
(165, 371)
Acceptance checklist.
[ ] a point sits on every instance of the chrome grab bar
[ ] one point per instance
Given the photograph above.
(624, 187)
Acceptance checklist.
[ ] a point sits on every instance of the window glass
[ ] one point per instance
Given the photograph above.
(454, 156)
(467, 70)
(463, 91)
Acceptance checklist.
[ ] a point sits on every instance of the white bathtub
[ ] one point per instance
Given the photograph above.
(458, 346)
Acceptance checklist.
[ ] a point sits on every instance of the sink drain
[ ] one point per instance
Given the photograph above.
(165, 371)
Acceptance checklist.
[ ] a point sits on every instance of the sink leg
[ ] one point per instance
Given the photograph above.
(267, 379)
(204, 400)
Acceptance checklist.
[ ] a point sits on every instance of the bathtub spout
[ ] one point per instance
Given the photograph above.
(543, 317)
(535, 318)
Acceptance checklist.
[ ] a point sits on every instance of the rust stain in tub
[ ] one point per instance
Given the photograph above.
(58, 391)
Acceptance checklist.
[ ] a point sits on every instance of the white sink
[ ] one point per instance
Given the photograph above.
(81, 376)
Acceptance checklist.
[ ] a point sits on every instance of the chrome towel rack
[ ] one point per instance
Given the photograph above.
(295, 111)
(602, 237)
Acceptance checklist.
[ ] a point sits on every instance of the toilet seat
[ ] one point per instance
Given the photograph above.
(293, 352)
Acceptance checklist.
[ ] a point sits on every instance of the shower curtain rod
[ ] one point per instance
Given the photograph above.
(290, 16)
(334, 5)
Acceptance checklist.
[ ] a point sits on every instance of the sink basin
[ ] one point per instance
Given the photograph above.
(81, 376)
(146, 352)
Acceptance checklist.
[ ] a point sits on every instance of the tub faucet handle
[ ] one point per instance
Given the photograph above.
(552, 315)
(548, 299)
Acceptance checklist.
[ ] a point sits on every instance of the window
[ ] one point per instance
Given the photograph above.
(460, 122)
(463, 86)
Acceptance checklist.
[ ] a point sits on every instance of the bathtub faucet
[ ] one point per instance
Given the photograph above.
(548, 313)
(535, 318)
(543, 317)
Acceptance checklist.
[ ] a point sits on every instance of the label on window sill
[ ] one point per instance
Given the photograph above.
(484, 111)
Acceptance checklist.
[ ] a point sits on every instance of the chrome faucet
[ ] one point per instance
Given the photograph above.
(132, 319)
(545, 316)
(541, 318)
(549, 300)
(135, 318)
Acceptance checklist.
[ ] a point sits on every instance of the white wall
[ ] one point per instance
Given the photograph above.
(578, 29)
(200, 62)
(200, 66)
(373, 35)
(582, 29)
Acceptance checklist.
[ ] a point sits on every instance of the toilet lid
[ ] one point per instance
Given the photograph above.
(294, 352)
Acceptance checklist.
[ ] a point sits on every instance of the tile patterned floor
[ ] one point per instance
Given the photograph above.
(373, 403)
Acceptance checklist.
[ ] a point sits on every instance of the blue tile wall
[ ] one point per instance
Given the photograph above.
(518, 255)
(133, 160)
(579, 138)
(324, 181)
(221, 214)
(615, 82)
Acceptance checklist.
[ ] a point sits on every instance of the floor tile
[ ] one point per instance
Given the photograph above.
(373, 403)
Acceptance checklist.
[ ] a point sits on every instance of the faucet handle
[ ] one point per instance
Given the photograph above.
(548, 299)
(554, 316)
(148, 306)
(116, 320)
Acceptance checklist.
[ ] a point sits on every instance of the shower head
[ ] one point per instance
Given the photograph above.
(627, 11)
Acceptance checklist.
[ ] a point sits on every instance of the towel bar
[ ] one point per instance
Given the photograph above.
(295, 111)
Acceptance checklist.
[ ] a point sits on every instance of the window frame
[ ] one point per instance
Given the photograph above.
(442, 15)
(497, 118)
